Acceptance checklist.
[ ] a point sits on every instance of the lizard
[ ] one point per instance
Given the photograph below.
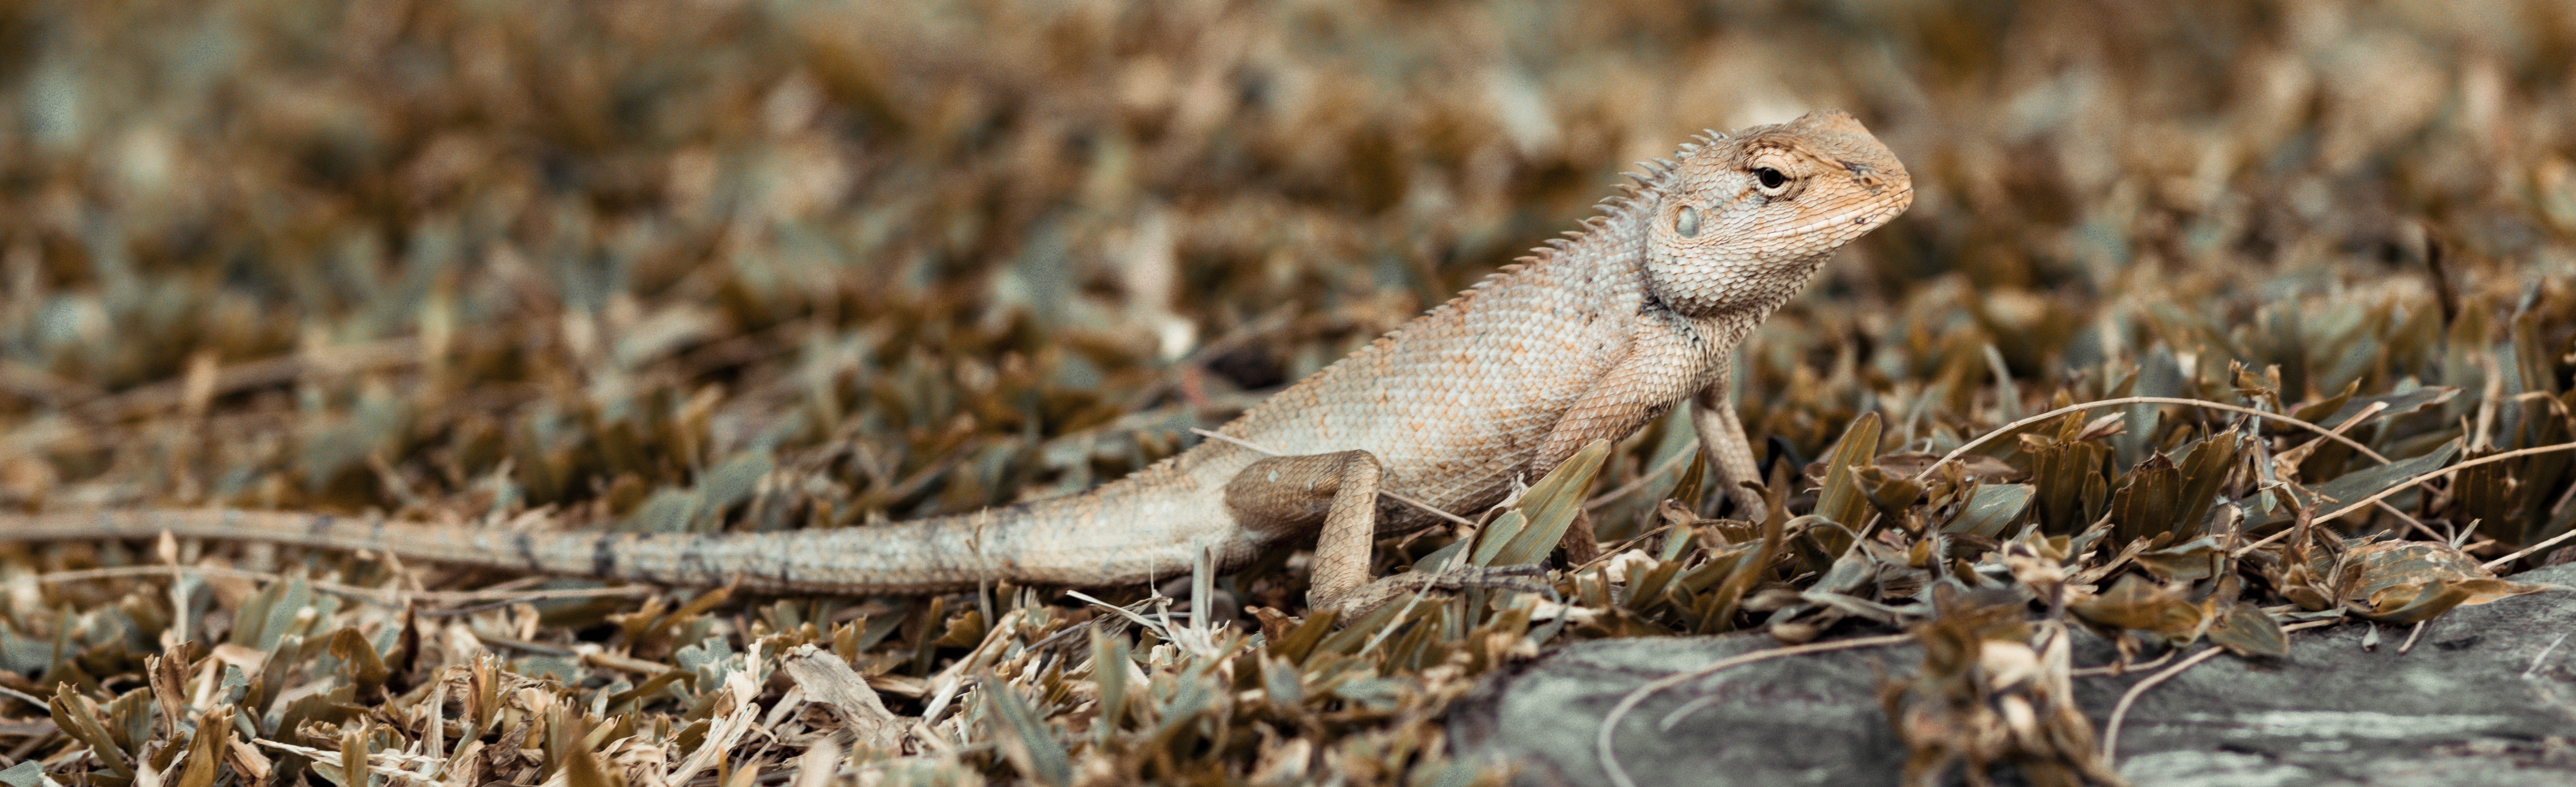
(1591, 337)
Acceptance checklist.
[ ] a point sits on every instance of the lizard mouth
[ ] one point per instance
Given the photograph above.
(1870, 214)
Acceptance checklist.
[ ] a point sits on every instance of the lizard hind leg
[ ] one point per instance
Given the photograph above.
(1339, 492)
(1336, 491)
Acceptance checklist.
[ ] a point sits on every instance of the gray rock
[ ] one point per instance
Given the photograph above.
(2474, 703)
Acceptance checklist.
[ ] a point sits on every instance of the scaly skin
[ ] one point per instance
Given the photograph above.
(1591, 338)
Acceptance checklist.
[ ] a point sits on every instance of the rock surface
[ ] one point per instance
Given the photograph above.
(2476, 702)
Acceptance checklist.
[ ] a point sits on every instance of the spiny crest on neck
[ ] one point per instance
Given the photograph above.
(1633, 196)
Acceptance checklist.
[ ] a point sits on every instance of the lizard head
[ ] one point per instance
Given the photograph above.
(1743, 222)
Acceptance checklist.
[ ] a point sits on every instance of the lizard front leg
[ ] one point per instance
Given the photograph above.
(1667, 360)
(1282, 495)
(1722, 437)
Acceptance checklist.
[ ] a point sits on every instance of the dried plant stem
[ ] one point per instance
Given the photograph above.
(2401, 486)
(2111, 729)
(2536, 661)
(2123, 669)
(2006, 429)
(1624, 490)
(2335, 434)
(2507, 560)
(1610, 723)
(2300, 454)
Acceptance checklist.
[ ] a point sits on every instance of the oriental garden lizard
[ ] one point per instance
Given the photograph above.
(1590, 338)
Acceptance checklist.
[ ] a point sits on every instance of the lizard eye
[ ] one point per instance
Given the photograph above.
(1771, 179)
(1688, 223)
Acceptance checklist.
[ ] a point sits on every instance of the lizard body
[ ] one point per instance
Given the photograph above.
(1591, 338)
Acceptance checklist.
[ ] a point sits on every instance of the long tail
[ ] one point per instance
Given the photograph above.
(1054, 542)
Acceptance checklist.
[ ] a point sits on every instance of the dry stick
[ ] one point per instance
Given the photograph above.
(2526, 551)
(2401, 486)
(1610, 723)
(1963, 449)
(2330, 434)
(2122, 669)
(2356, 420)
(1387, 494)
(1622, 547)
(2111, 729)
(1626, 489)
(2300, 454)
(2543, 657)
(2487, 403)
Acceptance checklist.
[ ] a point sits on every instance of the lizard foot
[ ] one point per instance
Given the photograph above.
(1395, 589)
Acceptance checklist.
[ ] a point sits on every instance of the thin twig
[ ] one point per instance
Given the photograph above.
(2300, 454)
(2478, 438)
(2123, 669)
(2385, 493)
(2111, 730)
(2526, 551)
(1610, 724)
(1383, 492)
(1631, 487)
(2534, 669)
(1398, 621)
(522, 645)
(1964, 448)
(2294, 456)
(2310, 624)
(1131, 616)
(1622, 547)
(2335, 434)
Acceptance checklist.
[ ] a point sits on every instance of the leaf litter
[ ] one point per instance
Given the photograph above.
(736, 267)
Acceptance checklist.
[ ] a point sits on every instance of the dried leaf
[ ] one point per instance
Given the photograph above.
(1993, 508)
(1844, 500)
(2407, 581)
(1027, 739)
(2247, 631)
(828, 679)
(1491, 540)
(1551, 505)
(2199, 558)
(2136, 604)
(2146, 504)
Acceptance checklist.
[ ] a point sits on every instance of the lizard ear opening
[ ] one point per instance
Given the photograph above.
(1687, 224)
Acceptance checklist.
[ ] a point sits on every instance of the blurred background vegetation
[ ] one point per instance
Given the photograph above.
(737, 264)
(402, 255)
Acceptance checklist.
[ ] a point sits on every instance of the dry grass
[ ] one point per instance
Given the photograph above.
(725, 265)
